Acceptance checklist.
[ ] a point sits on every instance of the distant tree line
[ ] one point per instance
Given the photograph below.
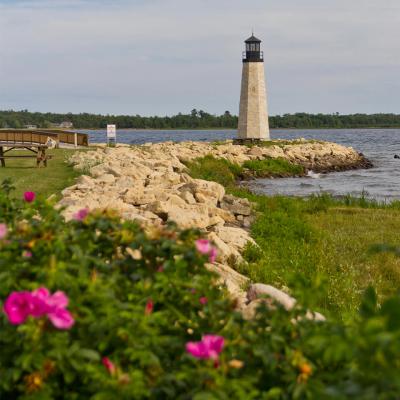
(195, 120)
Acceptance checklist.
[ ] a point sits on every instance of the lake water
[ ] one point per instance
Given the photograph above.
(379, 145)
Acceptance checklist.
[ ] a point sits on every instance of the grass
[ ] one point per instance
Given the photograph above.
(25, 176)
(227, 173)
(316, 243)
(320, 243)
(213, 169)
(273, 167)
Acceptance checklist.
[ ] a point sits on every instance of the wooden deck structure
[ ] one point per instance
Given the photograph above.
(39, 136)
(36, 142)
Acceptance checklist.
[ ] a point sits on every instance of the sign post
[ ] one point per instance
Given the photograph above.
(111, 135)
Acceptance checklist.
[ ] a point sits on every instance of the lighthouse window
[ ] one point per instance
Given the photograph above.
(252, 47)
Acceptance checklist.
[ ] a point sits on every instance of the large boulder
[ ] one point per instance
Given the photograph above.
(139, 195)
(212, 191)
(235, 237)
(234, 282)
(225, 253)
(236, 205)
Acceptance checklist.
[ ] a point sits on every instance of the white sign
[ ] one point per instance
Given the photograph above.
(111, 131)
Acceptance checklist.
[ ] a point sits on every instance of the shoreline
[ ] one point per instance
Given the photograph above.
(233, 129)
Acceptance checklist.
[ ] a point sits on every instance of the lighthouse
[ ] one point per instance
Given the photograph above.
(253, 113)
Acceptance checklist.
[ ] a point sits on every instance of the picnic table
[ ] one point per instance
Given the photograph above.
(38, 150)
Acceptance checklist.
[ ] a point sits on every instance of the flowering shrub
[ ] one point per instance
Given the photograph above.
(103, 309)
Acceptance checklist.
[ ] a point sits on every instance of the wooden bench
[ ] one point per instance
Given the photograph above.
(39, 151)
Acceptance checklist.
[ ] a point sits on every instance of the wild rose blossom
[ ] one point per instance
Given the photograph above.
(29, 196)
(204, 246)
(209, 347)
(213, 255)
(81, 214)
(20, 305)
(3, 231)
(203, 300)
(149, 307)
(109, 365)
(56, 308)
(27, 254)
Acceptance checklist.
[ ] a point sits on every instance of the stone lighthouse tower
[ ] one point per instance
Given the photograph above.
(253, 114)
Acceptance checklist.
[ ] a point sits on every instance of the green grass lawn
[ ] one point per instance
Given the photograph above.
(25, 176)
(321, 244)
(326, 247)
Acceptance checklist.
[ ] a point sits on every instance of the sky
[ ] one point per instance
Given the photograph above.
(161, 57)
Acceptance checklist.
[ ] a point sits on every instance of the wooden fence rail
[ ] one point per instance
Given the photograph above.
(39, 136)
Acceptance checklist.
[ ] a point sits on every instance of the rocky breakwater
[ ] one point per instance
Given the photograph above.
(149, 184)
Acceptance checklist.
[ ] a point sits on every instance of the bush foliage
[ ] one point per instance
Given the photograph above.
(135, 297)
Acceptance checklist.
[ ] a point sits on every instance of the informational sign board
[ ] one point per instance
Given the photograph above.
(111, 134)
(111, 131)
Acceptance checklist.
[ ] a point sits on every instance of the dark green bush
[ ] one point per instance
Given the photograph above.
(112, 270)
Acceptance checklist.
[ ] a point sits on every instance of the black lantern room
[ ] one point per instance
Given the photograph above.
(253, 53)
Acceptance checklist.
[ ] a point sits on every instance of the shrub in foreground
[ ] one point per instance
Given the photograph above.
(146, 321)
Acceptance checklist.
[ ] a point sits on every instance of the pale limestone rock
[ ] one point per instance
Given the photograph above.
(85, 180)
(189, 218)
(259, 290)
(225, 252)
(256, 151)
(127, 182)
(236, 237)
(98, 170)
(224, 214)
(234, 282)
(106, 178)
(260, 293)
(139, 196)
(211, 189)
(236, 205)
(188, 197)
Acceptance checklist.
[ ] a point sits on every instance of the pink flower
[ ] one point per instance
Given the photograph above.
(213, 255)
(3, 231)
(109, 365)
(61, 318)
(81, 214)
(39, 307)
(29, 196)
(209, 347)
(204, 246)
(149, 307)
(203, 300)
(26, 254)
(55, 307)
(18, 306)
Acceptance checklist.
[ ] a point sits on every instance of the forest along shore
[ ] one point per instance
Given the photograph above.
(151, 184)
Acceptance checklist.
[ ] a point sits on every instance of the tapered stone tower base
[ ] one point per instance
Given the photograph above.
(253, 115)
(253, 112)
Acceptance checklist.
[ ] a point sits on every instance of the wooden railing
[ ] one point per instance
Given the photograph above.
(39, 136)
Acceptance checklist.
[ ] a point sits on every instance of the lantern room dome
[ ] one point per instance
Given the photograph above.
(252, 39)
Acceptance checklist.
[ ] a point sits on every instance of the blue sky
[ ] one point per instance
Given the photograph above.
(164, 56)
